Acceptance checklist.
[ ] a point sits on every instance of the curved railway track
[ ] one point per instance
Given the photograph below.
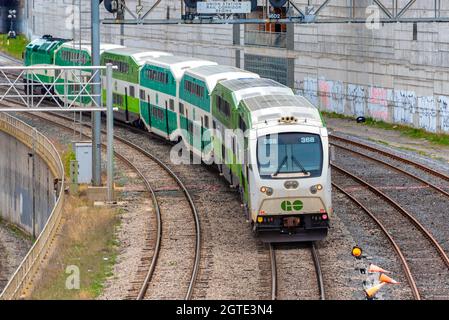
(171, 230)
(288, 280)
(419, 252)
(406, 166)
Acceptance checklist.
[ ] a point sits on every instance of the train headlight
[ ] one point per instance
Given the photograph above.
(315, 188)
(267, 190)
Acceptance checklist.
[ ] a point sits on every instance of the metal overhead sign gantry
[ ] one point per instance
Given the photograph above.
(392, 13)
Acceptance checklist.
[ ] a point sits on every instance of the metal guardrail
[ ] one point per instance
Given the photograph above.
(47, 151)
(266, 39)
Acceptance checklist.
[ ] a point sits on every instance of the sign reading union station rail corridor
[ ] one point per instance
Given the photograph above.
(224, 7)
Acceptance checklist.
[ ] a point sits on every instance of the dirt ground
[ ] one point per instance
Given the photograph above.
(391, 138)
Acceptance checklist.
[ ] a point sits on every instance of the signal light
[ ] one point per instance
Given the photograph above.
(260, 219)
(319, 187)
(324, 216)
(357, 252)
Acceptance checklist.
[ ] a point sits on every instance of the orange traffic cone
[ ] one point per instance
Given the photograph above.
(384, 278)
(373, 268)
(371, 292)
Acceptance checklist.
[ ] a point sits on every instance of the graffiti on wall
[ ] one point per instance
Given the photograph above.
(331, 95)
(427, 113)
(404, 106)
(378, 103)
(356, 98)
(444, 113)
(310, 90)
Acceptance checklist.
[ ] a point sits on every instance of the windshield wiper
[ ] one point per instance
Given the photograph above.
(303, 170)
(280, 166)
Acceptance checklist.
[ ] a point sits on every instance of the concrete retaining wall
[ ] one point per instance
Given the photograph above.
(19, 193)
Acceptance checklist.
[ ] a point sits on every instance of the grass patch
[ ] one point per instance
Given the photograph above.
(16, 231)
(88, 242)
(414, 133)
(13, 47)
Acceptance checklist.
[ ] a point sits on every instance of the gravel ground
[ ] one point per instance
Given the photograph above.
(13, 249)
(134, 236)
(296, 274)
(376, 248)
(426, 204)
(226, 235)
(431, 275)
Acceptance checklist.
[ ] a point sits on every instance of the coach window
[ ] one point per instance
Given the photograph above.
(142, 94)
(172, 105)
(131, 91)
(242, 124)
(206, 122)
(181, 108)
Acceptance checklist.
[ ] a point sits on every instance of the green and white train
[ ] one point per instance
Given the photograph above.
(266, 141)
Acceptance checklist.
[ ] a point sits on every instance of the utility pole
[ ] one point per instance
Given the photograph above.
(96, 92)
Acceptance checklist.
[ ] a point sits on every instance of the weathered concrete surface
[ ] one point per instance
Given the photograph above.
(383, 73)
(19, 192)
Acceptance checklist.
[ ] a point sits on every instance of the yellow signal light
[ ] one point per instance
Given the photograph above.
(357, 252)
(260, 219)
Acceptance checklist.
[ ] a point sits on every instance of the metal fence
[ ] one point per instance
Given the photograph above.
(266, 39)
(47, 151)
(68, 88)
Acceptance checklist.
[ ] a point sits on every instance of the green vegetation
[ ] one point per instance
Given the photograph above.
(415, 133)
(13, 47)
(68, 156)
(88, 242)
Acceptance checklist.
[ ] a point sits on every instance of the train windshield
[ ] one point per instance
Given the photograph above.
(290, 155)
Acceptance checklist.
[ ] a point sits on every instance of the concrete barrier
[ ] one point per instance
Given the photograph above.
(49, 156)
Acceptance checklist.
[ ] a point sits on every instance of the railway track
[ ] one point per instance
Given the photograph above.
(435, 179)
(424, 261)
(176, 229)
(290, 278)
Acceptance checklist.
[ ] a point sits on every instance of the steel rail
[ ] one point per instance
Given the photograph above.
(433, 186)
(403, 211)
(319, 273)
(274, 288)
(396, 247)
(316, 263)
(393, 156)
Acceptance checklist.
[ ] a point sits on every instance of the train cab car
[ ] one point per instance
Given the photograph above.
(286, 164)
(73, 54)
(159, 92)
(126, 79)
(225, 101)
(40, 53)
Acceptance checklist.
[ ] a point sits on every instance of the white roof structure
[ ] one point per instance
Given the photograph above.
(269, 107)
(251, 87)
(178, 64)
(88, 47)
(139, 55)
(213, 74)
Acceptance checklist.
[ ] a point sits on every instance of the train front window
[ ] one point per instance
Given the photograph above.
(290, 155)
